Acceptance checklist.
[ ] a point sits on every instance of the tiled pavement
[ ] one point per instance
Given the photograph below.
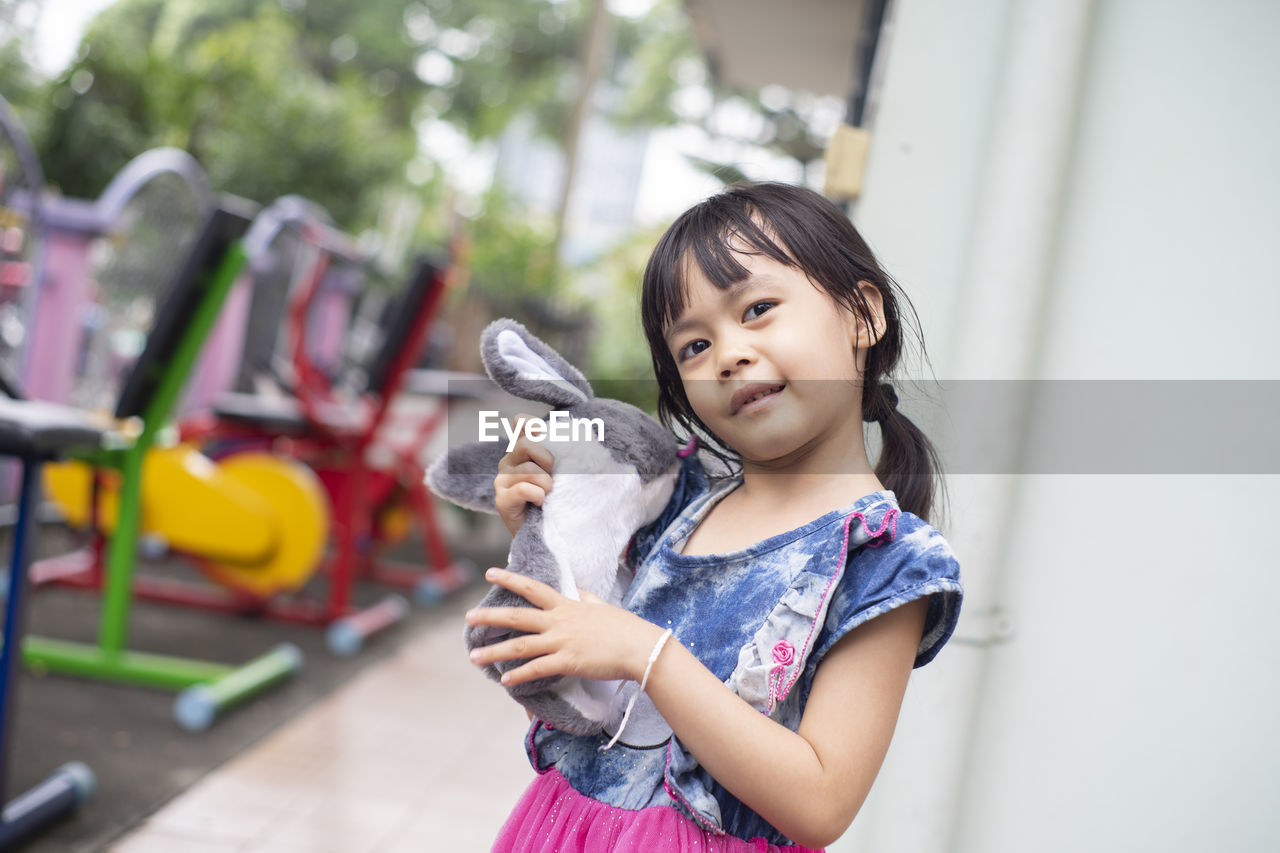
(418, 753)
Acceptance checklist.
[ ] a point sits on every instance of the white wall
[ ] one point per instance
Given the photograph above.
(1166, 255)
(940, 65)
(1135, 709)
(1134, 706)
(929, 121)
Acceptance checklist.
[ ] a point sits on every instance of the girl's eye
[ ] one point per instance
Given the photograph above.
(757, 309)
(691, 349)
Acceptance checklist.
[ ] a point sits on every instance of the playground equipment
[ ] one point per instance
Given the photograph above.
(278, 268)
(277, 542)
(21, 185)
(106, 262)
(33, 433)
(214, 503)
(335, 437)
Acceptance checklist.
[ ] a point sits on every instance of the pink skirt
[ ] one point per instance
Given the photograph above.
(552, 817)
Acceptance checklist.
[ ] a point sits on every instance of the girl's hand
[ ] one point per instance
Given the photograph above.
(524, 477)
(586, 638)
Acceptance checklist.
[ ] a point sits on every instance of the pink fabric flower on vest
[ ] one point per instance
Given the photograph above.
(784, 653)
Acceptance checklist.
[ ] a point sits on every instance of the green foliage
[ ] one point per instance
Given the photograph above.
(367, 44)
(324, 99)
(492, 60)
(19, 83)
(796, 125)
(265, 125)
(489, 60)
(230, 82)
(321, 98)
(619, 363)
(650, 52)
(511, 252)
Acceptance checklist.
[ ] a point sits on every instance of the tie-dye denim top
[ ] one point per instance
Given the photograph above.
(761, 618)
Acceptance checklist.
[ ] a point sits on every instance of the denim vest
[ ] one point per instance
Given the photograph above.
(761, 618)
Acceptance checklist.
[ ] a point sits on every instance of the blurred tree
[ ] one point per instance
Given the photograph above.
(591, 50)
(656, 58)
(796, 125)
(234, 82)
(326, 99)
(322, 99)
(513, 275)
(620, 364)
(493, 60)
(19, 82)
(488, 60)
(510, 251)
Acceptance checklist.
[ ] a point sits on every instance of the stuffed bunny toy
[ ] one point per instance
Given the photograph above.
(607, 485)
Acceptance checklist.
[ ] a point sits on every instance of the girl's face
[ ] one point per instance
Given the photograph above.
(772, 365)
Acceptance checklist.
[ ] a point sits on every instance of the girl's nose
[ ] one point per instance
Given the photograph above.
(733, 358)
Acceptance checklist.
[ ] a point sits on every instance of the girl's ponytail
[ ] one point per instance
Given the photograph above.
(908, 464)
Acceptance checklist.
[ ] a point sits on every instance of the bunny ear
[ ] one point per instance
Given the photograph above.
(529, 369)
(464, 475)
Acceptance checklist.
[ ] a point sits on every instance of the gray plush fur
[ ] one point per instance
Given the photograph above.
(644, 442)
(588, 518)
(572, 389)
(538, 563)
(461, 475)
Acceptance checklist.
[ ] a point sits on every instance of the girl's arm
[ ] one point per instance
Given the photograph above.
(809, 784)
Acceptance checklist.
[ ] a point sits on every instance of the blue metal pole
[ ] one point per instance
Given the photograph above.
(72, 783)
(54, 798)
(15, 615)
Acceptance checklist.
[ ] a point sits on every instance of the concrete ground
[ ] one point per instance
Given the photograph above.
(405, 742)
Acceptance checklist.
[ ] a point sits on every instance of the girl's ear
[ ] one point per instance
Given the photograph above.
(864, 337)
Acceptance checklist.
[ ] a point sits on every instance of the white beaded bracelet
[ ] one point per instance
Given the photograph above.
(644, 681)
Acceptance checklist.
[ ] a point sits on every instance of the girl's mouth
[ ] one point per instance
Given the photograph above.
(750, 396)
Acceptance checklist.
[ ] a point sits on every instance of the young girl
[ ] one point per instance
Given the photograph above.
(777, 612)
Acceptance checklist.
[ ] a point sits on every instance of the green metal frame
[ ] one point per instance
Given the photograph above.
(109, 659)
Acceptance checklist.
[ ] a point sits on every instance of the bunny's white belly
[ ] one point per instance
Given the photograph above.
(594, 507)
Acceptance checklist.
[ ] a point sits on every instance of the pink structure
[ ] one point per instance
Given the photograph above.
(66, 308)
(327, 327)
(56, 333)
(63, 306)
(215, 372)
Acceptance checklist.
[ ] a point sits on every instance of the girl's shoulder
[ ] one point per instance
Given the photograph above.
(895, 557)
(885, 531)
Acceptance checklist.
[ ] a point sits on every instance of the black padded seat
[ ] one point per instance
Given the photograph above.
(277, 414)
(36, 430)
(174, 315)
(404, 315)
(283, 415)
(430, 382)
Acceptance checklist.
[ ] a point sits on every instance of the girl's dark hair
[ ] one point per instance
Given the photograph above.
(801, 229)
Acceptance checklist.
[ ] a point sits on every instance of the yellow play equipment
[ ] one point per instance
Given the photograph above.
(256, 523)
